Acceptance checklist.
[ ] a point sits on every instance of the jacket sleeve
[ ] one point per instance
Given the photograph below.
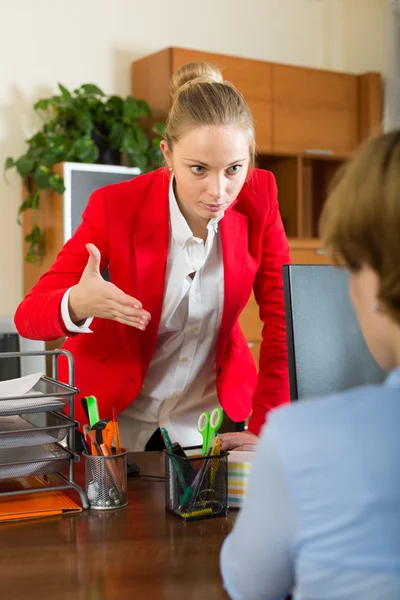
(273, 378)
(38, 316)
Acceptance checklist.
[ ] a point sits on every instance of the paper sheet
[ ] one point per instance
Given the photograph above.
(24, 386)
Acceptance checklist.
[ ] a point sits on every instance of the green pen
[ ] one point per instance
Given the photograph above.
(175, 462)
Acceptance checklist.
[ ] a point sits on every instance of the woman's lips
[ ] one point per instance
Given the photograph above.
(213, 207)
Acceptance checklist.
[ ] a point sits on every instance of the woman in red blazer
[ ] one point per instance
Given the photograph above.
(143, 316)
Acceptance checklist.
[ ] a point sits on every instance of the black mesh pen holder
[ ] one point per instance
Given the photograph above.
(196, 486)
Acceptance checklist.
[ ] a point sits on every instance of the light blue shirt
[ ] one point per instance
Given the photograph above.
(322, 513)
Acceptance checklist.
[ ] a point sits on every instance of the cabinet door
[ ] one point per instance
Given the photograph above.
(314, 110)
(308, 252)
(251, 77)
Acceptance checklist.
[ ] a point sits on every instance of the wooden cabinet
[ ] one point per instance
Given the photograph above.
(308, 252)
(314, 110)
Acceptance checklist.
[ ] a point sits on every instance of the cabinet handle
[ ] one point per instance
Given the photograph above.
(320, 251)
(318, 151)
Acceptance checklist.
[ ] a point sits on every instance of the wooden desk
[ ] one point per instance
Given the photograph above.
(138, 552)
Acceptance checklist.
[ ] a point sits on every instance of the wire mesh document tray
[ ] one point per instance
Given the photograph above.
(47, 395)
(32, 424)
(39, 460)
(33, 429)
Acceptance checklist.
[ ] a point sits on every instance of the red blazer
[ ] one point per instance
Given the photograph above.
(129, 223)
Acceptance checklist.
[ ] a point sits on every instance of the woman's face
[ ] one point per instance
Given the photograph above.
(377, 328)
(210, 165)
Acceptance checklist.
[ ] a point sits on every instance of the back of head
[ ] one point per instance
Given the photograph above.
(361, 219)
(201, 97)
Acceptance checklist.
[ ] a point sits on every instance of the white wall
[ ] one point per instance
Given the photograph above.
(365, 31)
(82, 41)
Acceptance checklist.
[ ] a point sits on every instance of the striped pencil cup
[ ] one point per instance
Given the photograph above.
(239, 468)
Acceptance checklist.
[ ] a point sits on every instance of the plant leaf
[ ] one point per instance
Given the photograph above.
(24, 165)
(9, 163)
(142, 141)
(117, 135)
(90, 88)
(145, 110)
(31, 201)
(41, 176)
(158, 128)
(65, 93)
(56, 183)
(116, 104)
(131, 109)
(42, 104)
(138, 160)
(156, 157)
(85, 150)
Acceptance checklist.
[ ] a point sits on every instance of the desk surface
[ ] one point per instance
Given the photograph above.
(138, 552)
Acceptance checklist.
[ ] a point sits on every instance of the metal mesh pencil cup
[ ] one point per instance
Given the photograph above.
(196, 486)
(106, 481)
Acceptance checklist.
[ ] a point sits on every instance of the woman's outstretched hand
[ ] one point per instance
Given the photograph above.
(95, 297)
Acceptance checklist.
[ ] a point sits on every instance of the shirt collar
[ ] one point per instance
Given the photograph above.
(181, 231)
(393, 379)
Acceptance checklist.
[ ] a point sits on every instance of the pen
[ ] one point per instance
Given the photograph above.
(116, 431)
(175, 462)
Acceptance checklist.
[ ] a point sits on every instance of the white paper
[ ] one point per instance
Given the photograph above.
(19, 386)
(23, 386)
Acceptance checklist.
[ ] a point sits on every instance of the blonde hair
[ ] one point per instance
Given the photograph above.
(360, 222)
(201, 97)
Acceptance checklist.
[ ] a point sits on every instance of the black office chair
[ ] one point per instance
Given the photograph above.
(327, 352)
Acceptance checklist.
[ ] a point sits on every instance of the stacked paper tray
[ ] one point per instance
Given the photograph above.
(37, 460)
(33, 429)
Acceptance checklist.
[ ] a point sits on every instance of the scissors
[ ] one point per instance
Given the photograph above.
(208, 425)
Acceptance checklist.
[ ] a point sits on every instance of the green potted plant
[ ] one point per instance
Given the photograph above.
(85, 126)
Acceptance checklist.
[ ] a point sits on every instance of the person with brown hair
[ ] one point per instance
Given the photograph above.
(322, 515)
(185, 245)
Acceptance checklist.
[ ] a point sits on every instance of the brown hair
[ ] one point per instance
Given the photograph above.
(200, 97)
(360, 222)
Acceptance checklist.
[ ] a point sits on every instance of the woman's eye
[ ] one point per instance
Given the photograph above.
(197, 169)
(234, 169)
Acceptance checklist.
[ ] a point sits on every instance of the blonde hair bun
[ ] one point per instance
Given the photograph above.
(191, 72)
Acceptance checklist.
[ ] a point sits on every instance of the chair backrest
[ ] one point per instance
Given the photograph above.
(327, 352)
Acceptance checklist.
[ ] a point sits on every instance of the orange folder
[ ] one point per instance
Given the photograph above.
(20, 507)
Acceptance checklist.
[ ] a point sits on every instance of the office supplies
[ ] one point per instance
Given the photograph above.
(34, 429)
(200, 499)
(176, 465)
(108, 435)
(117, 438)
(110, 467)
(34, 506)
(215, 451)
(239, 468)
(92, 410)
(85, 407)
(197, 513)
(106, 480)
(81, 444)
(104, 425)
(41, 394)
(208, 425)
